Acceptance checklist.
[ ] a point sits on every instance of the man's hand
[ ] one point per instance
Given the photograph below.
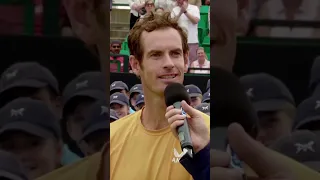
(183, 7)
(198, 130)
(254, 154)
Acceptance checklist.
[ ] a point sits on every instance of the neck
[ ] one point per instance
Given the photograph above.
(153, 115)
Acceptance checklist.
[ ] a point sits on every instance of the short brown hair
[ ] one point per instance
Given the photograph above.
(149, 23)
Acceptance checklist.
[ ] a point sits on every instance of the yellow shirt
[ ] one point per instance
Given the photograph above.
(140, 154)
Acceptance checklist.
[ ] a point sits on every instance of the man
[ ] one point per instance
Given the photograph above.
(140, 102)
(302, 146)
(273, 103)
(206, 97)
(31, 131)
(188, 16)
(30, 79)
(78, 95)
(204, 107)
(119, 86)
(96, 130)
(195, 94)
(134, 92)
(144, 136)
(10, 167)
(115, 47)
(120, 103)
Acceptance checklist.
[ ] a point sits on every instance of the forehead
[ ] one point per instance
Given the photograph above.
(161, 40)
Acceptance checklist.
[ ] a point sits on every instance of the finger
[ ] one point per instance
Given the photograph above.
(172, 112)
(189, 110)
(169, 108)
(176, 117)
(176, 124)
(262, 160)
(219, 158)
(219, 173)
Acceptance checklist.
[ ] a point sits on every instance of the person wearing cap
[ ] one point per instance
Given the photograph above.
(302, 146)
(11, 168)
(204, 107)
(134, 92)
(96, 129)
(195, 94)
(30, 79)
(120, 103)
(119, 86)
(140, 102)
(206, 97)
(78, 95)
(273, 103)
(113, 115)
(30, 130)
(308, 115)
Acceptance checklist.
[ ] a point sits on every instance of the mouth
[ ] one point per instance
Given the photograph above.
(168, 76)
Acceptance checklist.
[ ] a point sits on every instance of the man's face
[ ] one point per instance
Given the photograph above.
(195, 101)
(180, 2)
(201, 54)
(272, 126)
(121, 110)
(95, 142)
(38, 156)
(76, 120)
(163, 62)
(115, 48)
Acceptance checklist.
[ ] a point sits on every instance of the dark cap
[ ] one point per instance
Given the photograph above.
(206, 97)
(30, 116)
(302, 146)
(10, 167)
(137, 88)
(97, 119)
(140, 99)
(119, 98)
(307, 111)
(203, 107)
(315, 74)
(193, 90)
(88, 84)
(208, 85)
(27, 74)
(266, 92)
(118, 85)
(113, 115)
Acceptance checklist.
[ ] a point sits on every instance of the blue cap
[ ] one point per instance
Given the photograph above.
(140, 99)
(119, 98)
(118, 85)
(206, 97)
(193, 90)
(137, 88)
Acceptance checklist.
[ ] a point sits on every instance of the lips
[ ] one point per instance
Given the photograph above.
(168, 76)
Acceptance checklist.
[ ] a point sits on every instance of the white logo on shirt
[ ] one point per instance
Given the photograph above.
(178, 156)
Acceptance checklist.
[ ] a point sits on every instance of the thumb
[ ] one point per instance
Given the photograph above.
(263, 161)
(188, 109)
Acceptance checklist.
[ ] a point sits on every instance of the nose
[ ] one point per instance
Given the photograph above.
(167, 62)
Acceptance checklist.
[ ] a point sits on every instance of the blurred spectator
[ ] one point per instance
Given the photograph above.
(119, 86)
(197, 3)
(207, 2)
(273, 103)
(201, 62)
(137, 7)
(188, 16)
(303, 10)
(166, 5)
(149, 6)
(11, 168)
(30, 130)
(78, 96)
(120, 103)
(113, 115)
(302, 146)
(115, 47)
(96, 129)
(140, 102)
(204, 107)
(134, 92)
(195, 94)
(206, 97)
(308, 115)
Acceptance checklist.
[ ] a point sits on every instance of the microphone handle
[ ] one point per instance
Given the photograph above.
(183, 131)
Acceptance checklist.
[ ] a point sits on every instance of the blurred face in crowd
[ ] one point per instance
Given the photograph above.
(149, 6)
(201, 54)
(38, 156)
(273, 125)
(95, 142)
(115, 48)
(163, 62)
(76, 119)
(133, 98)
(195, 101)
(121, 110)
(139, 106)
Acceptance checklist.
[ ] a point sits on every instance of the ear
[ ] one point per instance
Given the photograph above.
(186, 62)
(135, 65)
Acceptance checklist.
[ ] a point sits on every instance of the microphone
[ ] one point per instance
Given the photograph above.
(174, 94)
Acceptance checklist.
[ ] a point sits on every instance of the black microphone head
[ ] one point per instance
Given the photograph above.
(176, 92)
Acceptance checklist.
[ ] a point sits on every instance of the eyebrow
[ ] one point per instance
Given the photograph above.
(158, 51)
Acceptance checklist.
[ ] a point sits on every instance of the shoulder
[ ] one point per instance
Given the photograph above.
(124, 123)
